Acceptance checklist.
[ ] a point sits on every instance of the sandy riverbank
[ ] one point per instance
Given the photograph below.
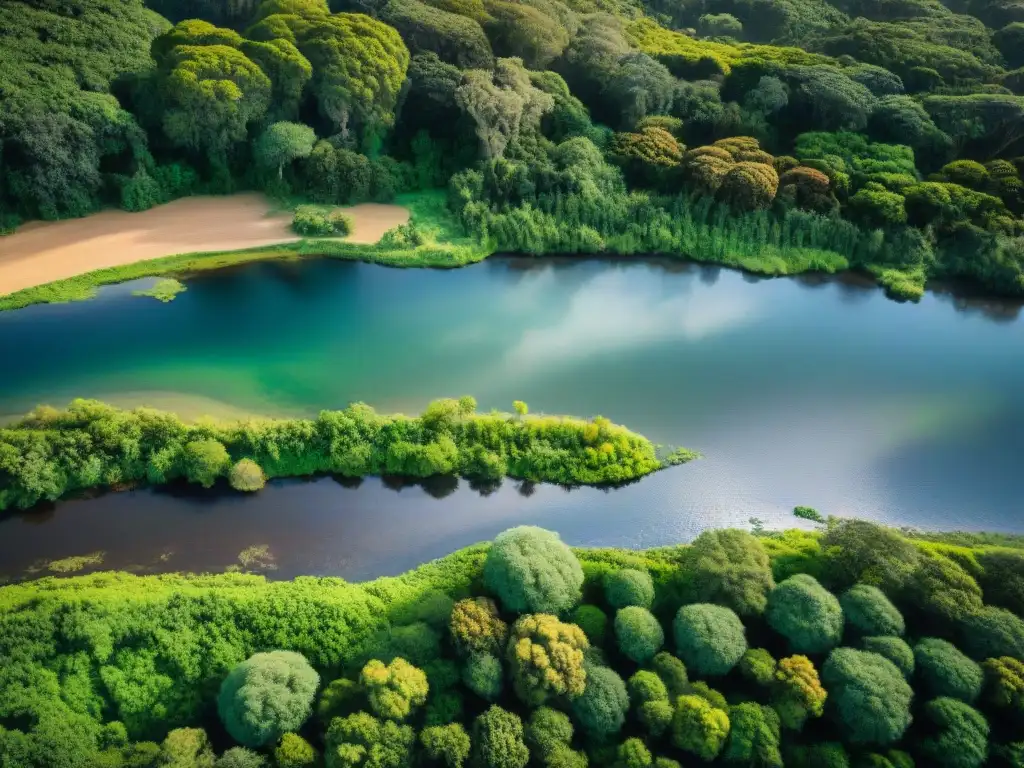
(41, 252)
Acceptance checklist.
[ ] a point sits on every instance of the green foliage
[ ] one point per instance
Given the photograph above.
(43, 458)
(240, 757)
(754, 736)
(757, 666)
(961, 740)
(672, 673)
(477, 628)
(699, 728)
(806, 614)
(498, 740)
(797, 692)
(639, 633)
(865, 552)
(186, 748)
(1004, 683)
(311, 221)
(363, 740)
(808, 513)
(710, 639)
(446, 744)
(484, 676)
(293, 751)
(532, 570)
(548, 732)
(601, 709)
(868, 611)
(593, 621)
(628, 587)
(281, 144)
(871, 697)
(267, 696)
(895, 649)
(731, 567)
(945, 671)
(545, 658)
(163, 291)
(247, 476)
(394, 689)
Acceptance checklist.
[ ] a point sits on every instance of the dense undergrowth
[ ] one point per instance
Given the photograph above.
(851, 646)
(51, 453)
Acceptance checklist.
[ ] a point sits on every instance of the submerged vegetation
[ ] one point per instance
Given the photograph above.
(834, 648)
(777, 138)
(51, 453)
(163, 290)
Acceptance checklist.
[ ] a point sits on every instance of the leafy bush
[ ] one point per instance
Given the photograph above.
(710, 639)
(477, 628)
(247, 476)
(547, 732)
(484, 676)
(593, 621)
(446, 744)
(962, 737)
(895, 649)
(267, 696)
(672, 673)
(870, 694)
(498, 740)
(532, 570)
(628, 587)
(602, 707)
(754, 736)
(806, 614)
(731, 567)
(797, 692)
(394, 689)
(868, 611)
(639, 633)
(699, 728)
(293, 751)
(757, 666)
(945, 671)
(546, 658)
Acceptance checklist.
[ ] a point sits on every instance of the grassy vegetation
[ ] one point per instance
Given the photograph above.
(163, 290)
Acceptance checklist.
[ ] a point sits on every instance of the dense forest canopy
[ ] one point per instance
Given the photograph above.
(853, 646)
(884, 135)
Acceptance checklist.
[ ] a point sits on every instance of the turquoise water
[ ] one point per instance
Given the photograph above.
(797, 392)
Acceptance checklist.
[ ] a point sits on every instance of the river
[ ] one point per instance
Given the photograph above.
(817, 392)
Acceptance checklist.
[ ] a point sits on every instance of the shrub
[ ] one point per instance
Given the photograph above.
(205, 461)
(593, 621)
(477, 628)
(709, 638)
(868, 611)
(672, 673)
(830, 754)
(871, 696)
(994, 632)
(656, 716)
(628, 587)
(186, 748)
(484, 676)
(546, 658)
(310, 221)
(754, 736)
(446, 744)
(1004, 683)
(895, 649)
(731, 567)
(247, 476)
(757, 666)
(341, 223)
(797, 692)
(806, 614)
(639, 634)
(601, 710)
(547, 731)
(646, 686)
(961, 740)
(267, 696)
(350, 739)
(293, 751)
(498, 740)
(393, 690)
(341, 697)
(434, 608)
(699, 728)
(946, 672)
(240, 757)
(633, 753)
(532, 570)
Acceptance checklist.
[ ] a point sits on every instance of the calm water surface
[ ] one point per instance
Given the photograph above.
(825, 394)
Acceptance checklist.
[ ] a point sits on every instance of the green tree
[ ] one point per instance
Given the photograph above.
(363, 740)
(602, 707)
(446, 744)
(806, 614)
(961, 740)
(993, 632)
(731, 567)
(545, 658)
(639, 633)
(394, 689)
(1004, 683)
(593, 621)
(532, 570)
(247, 476)
(720, 25)
(498, 740)
(547, 732)
(484, 676)
(525, 31)
(895, 649)
(699, 728)
(204, 461)
(281, 144)
(1010, 42)
(628, 587)
(212, 94)
(710, 639)
(945, 671)
(754, 737)
(293, 751)
(633, 753)
(187, 748)
(640, 86)
(289, 72)
(758, 666)
(871, 696)
(672, 672)
(240, 757)
(862, 551)
(267, 696)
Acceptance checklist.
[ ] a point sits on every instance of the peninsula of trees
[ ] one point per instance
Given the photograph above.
(778, 137)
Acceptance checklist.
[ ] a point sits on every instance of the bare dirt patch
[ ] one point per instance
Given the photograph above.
(41, 252)
(371, 220)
